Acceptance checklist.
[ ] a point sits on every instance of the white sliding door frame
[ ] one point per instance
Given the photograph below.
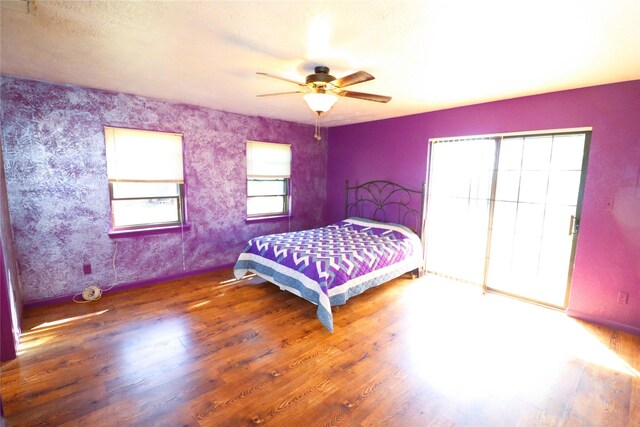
(430, 227)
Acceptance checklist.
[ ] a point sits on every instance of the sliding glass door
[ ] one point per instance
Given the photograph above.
(460, 181)
(516, 233)
(534, 220)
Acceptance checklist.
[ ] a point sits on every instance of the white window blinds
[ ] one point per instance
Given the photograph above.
(143, 156)
(268, 160)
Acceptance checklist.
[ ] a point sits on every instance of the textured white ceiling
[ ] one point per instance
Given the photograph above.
(427, 55)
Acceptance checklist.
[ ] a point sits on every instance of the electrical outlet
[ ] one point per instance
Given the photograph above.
(623, 298)
(608, 204)
(86, 268)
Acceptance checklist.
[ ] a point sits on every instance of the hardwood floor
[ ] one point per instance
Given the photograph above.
(202, 352)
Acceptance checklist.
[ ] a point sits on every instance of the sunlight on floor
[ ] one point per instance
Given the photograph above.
(234, 280)
(154, 347)
(151, 331)
(199, 304)
(468, 345)
(39, 335)
(68, 320)
(589, 348)
(23, 347)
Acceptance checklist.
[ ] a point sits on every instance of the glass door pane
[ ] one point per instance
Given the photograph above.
(460, 178)
(536, 198)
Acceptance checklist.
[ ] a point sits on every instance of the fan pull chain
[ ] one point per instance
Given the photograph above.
(317, 134)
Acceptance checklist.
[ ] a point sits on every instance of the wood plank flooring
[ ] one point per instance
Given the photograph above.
(202, 351)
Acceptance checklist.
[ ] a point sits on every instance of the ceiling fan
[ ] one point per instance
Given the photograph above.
(321, 90)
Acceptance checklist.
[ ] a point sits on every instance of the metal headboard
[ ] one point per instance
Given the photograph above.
(386, 201)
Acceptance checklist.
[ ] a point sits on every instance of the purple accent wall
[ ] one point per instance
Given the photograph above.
(607, 259)
(58, 191)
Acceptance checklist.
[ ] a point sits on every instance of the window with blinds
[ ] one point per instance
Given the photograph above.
(268, 176)
(146, 178)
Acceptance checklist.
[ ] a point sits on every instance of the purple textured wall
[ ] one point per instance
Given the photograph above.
(607, 259)
(58, 192)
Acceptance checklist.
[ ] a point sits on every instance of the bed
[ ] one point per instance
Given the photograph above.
(378, 241)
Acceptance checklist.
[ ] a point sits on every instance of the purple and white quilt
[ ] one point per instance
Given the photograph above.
(329, 265)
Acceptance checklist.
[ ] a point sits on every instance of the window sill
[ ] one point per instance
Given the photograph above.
(266, 218)
(115, 233)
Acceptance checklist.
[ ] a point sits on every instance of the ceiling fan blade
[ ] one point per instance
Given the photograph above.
(361, 95)
(284, 79)
(280, 93)
(352, 79)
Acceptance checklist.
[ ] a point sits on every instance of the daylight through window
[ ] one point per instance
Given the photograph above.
(146, 179)
(268, 175)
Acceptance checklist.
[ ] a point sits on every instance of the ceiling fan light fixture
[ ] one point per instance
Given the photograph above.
(322, 90)
(320, 102)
